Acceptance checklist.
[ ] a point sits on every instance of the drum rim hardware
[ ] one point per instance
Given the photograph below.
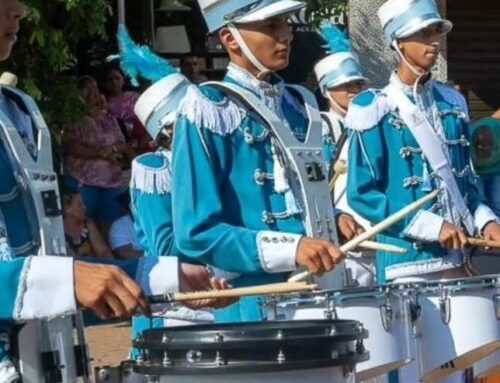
(234, 348)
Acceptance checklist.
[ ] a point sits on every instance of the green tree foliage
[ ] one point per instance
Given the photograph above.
(44, 56)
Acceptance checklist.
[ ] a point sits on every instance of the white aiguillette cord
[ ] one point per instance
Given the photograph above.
(381, 226)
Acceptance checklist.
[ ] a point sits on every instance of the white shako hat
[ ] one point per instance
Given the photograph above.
(403, 18)
(158, 105)
(341, 66)
(218, 13)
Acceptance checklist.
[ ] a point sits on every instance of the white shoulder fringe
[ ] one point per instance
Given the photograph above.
(361, 118)
(151, 180)
(221, 118)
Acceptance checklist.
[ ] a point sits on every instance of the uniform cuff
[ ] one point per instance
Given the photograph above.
(46, 288)
(277, 251)
(482, 216)
(425, 226)
(158, 275)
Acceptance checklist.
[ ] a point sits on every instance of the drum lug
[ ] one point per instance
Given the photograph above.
(445, 308)
(348, 371)
(219, 359)
(496, 302)
(386, 314)
(281, 357)
(330, 312)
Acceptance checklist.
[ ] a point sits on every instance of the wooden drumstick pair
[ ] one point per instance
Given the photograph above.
(270, 289)
(340, 168)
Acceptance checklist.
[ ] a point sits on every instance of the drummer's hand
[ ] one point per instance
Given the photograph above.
(451, 237)
(491, 231)
(317, 255)
(193, 278)
(108, 291)
(347, 227)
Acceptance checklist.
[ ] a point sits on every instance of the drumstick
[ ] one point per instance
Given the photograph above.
(340, 168)
(379, 227)
(479, 242)
(371, 245)
(275, 288)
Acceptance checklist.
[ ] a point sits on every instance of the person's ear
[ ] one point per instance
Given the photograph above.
(227, 39)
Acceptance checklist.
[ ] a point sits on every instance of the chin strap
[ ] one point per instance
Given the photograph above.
(247, 52)
(414, 71)
(335, 103)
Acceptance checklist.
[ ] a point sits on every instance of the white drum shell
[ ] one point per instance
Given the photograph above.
(388, 350)
(471, 334)
(321, 375)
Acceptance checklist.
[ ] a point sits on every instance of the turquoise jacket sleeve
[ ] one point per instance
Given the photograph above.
(199, 159)
(10, 276)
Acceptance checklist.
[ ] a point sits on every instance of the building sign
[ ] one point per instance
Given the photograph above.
(307, 46)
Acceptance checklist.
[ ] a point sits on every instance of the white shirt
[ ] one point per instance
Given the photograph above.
(122, 233)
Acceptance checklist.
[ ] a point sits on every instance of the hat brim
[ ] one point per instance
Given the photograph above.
(446, 24)
(345, 80)
(274, 9)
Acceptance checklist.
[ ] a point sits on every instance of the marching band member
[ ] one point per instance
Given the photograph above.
(151, 179)
(410, 138)
(234, 208)
(35, 287)
(340, 79)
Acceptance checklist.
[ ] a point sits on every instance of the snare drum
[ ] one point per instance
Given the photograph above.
(458, 324)
(321, 351)
(383, 310)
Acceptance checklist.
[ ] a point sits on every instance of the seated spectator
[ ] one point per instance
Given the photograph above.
(122, 236)
(121, 104)
(485, 135)
(98, 158)
(82, 235)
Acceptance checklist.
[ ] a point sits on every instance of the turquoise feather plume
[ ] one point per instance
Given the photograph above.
(139, 61)
(336, 40)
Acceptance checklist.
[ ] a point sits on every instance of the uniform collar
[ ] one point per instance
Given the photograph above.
(274, 88)
(408, 89)
(271, 93)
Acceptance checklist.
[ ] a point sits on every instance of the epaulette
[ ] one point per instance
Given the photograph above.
(209, 108)
(366, 110)
(151, 173)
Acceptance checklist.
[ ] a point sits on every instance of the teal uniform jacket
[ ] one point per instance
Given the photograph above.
(227, 212)
(151, 203)
(387, 172)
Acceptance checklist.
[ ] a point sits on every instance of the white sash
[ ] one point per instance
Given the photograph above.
(428, 141)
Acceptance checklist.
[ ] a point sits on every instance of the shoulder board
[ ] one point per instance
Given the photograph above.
(366, 110)
(151, 173)
(209, 108)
